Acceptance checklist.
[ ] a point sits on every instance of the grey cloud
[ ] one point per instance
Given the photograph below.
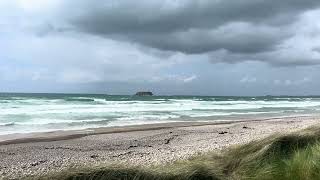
(173, 16)
(283, 57)
(184, 25)
(245, 29)
(48, 28)
(234, 37)
(317, 49)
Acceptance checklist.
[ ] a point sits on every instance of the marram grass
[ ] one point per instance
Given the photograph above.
(293, 157)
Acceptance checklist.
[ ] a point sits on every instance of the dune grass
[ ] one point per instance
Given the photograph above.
(295, 156)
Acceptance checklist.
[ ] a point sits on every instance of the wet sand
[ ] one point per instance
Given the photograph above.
(39, 153)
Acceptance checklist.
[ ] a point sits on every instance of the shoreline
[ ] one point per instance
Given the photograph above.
(58, 135)
(144, 145)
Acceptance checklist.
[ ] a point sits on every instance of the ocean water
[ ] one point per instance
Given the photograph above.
(24, 113)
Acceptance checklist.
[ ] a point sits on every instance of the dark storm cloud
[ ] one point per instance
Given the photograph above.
(191, 26)
(235, 37)
(125, 16)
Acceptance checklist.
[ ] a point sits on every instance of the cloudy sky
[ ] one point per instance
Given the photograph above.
(202, 47)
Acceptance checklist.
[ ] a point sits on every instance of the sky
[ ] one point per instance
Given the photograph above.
(170, 47)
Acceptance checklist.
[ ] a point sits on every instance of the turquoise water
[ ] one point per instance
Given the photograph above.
(22, 113)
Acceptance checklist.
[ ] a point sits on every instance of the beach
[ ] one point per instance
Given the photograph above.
(142, 145)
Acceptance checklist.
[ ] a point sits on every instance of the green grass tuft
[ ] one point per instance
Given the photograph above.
(294, 156)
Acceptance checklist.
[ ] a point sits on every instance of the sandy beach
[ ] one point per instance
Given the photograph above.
(39, 153)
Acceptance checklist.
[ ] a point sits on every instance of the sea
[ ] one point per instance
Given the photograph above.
(27, 113)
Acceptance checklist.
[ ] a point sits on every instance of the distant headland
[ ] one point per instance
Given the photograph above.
(144, 93)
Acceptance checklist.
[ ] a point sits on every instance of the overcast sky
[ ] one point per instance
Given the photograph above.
(199, 47)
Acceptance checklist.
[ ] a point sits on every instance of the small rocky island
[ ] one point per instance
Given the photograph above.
(144, 93)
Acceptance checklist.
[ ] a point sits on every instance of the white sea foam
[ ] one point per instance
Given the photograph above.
(45, 121)
(41, 114)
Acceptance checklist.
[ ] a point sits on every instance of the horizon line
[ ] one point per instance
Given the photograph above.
(78, 93)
